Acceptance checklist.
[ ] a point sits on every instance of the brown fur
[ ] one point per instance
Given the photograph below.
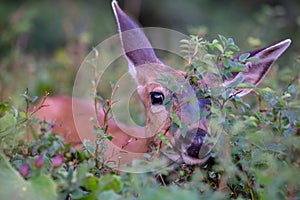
(145, 68)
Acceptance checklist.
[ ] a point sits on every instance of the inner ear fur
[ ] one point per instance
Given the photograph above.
(256, 71)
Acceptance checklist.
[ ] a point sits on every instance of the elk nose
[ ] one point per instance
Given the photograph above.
(197, 144)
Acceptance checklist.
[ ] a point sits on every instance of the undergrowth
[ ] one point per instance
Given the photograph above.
(257, 155)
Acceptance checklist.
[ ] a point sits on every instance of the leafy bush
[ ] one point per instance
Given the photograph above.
(257, 156)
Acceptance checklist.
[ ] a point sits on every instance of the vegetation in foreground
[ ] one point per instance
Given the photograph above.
(261, 139)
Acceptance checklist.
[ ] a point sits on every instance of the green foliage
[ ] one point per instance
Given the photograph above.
(257, 143)
(256, 154)
(42, 186)
(39, 41)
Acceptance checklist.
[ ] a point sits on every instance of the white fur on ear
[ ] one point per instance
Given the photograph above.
(135, 44)
(274, 51)
(256, 71)
(131, 69)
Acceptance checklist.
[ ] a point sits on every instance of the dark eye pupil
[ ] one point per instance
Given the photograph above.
(157, 98)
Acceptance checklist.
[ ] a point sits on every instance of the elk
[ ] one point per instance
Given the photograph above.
(145, 68)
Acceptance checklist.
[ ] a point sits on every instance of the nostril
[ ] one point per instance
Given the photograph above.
(194, 148)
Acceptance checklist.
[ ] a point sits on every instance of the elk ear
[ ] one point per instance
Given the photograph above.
(136, 46)
(256, 71)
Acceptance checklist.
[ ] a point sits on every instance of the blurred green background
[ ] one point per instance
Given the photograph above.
(42, 43)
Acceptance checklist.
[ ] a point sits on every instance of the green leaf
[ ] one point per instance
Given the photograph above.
(7, 124)
(4, 108)
(174, 127)
(230, 41)
(175, 119)
(110, 137)
(223, 40)
(164, 139)
(91, 184)
(287, 95)
(110, 182)
(110, 194)
(236, 82)
(267, 96)
(82, 171)
(185, 41)
(226, 63)
(167, 99)
(244, 85)
(217, 91)
(13, 186)
(217, 45)
(231, 45)
(237, 67)
(252, 59)
(226, 94)
(244, 57)
(43, 186)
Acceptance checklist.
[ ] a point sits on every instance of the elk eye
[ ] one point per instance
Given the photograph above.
(157, 98)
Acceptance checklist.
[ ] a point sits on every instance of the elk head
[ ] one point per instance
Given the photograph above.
(144, 66)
